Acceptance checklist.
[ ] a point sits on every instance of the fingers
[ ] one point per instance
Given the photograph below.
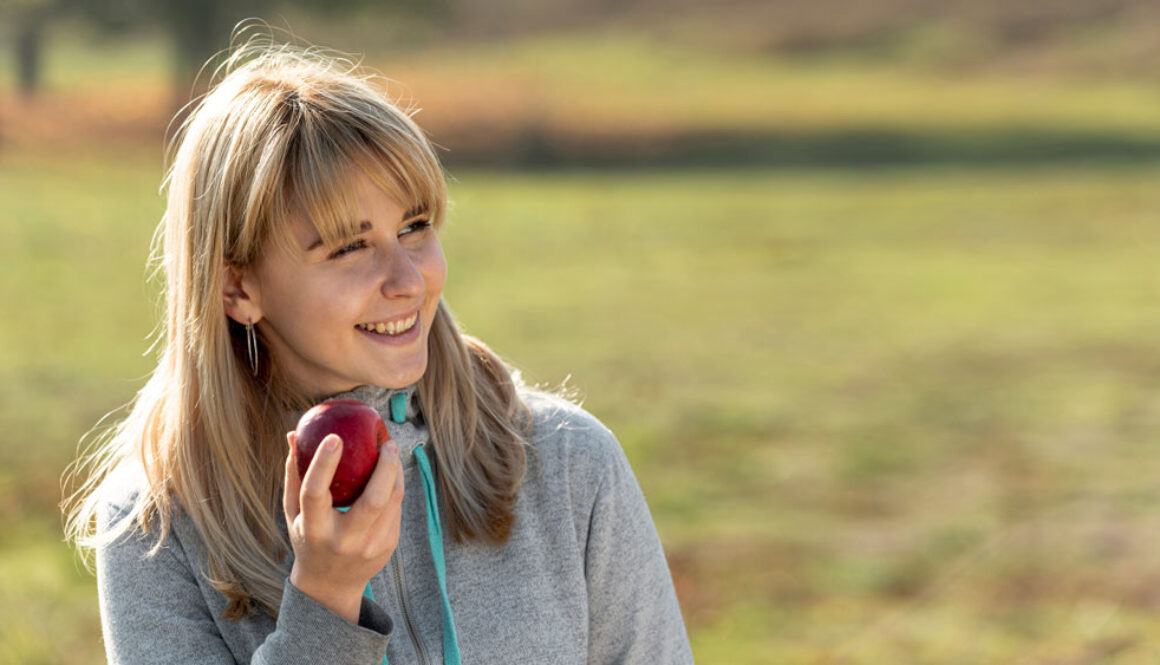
(333, 548)
(384, 506)
(384, 490)
(316, 504)
(386, 528)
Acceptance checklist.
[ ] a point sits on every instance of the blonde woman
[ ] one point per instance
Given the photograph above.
(301, 256)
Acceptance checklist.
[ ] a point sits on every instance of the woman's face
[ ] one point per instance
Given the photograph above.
(337, 317)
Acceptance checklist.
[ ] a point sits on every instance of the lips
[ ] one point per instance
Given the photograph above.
(394, 327)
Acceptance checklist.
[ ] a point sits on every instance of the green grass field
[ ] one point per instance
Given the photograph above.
(881, 415)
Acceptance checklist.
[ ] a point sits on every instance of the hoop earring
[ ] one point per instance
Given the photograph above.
(252, 346)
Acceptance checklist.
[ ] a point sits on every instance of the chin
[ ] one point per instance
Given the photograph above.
(395, 379)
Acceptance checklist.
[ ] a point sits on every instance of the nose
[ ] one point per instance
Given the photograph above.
(401, 277)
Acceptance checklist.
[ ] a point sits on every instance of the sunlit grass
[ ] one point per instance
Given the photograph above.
(849, 396)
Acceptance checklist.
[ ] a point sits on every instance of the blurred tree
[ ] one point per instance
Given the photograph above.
(28, 20)
(200, 28)
(197, 29)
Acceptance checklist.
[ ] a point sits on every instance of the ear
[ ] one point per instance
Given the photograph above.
(240, 295)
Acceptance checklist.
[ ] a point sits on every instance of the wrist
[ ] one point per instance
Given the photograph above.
(344, 602)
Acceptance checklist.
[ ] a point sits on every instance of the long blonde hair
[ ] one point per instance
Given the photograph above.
(280, 133)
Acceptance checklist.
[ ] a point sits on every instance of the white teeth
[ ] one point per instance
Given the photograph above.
(392, 327)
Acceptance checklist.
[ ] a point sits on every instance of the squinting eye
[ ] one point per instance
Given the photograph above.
(347, 249)
(416, 226)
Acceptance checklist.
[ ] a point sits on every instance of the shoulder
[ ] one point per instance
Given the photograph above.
(119, 496)
(559, 421)
(127, 522)
(565, 438)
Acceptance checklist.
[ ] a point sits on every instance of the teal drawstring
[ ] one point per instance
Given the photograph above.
(399, 408)
(434, 538)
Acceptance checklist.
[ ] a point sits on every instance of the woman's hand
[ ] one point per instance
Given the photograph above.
(336, 553)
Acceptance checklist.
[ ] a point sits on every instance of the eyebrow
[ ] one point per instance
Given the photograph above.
(365, 226)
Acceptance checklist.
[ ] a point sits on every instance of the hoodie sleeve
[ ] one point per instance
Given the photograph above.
(153, 611)
(634, 617)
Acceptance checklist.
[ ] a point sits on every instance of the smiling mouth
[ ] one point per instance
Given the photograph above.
(390, 327)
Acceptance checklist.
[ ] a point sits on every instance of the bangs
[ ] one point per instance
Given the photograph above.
(324, 157)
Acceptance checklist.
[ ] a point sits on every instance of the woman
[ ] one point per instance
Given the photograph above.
(302, 262)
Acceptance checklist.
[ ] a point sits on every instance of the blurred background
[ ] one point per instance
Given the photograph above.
(867, 290)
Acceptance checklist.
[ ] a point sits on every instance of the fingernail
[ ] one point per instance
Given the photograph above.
(330, 445)
(392, 448)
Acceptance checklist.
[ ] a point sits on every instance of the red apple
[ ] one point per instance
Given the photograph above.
(362, 431)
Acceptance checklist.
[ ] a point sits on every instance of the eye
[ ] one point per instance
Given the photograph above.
(417, 226)
(347, 249)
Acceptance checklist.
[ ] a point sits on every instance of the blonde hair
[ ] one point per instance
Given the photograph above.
(278, 135)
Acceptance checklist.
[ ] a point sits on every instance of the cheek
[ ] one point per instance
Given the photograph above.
(434, 269)
(297, 305)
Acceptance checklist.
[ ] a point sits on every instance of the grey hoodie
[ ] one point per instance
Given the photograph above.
(583, 578)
